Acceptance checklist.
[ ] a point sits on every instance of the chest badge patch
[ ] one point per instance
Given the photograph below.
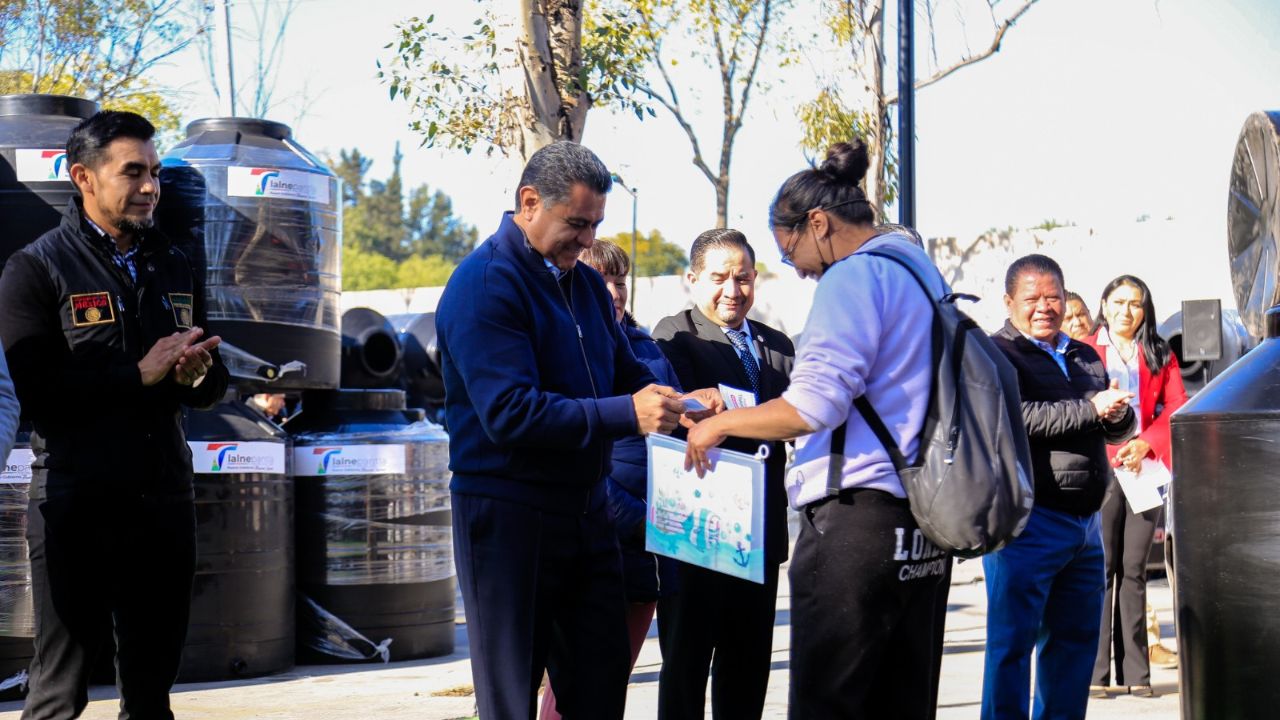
(182, 309)
(92, 309)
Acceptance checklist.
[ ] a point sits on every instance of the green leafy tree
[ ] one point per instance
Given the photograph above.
(852, 96)
(654, 255)
(519, 79)
(434, 229)
(101, 50)
(366, 270)
(388, 243)
(418, 271)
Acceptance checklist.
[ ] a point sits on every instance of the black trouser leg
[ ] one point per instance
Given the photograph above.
(542, 591)
(72, 609)
(96, 562)
(720, 627)
(153, 607)
(864, 595)
(1126, 538)
(589, 658)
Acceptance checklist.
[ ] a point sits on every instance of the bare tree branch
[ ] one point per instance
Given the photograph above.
(1001, 29)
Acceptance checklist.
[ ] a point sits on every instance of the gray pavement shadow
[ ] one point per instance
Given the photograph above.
(651, 676)
(460, 652)
(958, 648)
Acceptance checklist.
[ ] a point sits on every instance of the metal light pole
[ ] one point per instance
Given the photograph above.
(635, 202)
(906, 114)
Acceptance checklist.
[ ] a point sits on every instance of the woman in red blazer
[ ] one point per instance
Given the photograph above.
(1141, 362)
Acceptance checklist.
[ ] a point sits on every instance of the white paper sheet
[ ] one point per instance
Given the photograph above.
(735, 398)
(716, 521)
(1142, 489)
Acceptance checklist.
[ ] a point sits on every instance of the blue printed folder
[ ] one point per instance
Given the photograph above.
(716, 521)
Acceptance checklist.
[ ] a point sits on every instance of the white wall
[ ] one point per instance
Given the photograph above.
(1178, 262)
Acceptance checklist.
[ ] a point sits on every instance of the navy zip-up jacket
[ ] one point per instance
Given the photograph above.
(647, 576)
(538, 377)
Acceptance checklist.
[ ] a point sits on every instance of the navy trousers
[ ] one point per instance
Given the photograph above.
(543, 591)
(1044, 592)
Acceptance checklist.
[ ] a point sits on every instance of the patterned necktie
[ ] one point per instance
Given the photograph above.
(739, 341)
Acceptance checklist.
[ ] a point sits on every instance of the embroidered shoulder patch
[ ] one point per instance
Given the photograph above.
(92, 309)
(182, 309)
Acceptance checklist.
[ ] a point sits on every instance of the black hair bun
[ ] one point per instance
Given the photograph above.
(846, 162)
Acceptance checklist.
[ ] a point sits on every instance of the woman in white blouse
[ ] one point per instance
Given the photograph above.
(1141, 362)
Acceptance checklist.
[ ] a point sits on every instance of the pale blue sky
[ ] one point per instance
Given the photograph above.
(1096, 111)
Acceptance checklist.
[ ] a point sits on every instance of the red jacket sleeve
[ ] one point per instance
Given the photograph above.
(1172, 394)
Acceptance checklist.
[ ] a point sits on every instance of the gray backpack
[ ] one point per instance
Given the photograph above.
(970, 488)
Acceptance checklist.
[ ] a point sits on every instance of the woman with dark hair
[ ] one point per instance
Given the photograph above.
(865, 583)
(1142, 363)
(646, 576)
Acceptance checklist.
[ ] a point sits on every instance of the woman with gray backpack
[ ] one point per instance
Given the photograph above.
(867, 587)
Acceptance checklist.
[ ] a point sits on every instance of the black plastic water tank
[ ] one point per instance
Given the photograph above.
(17, 622)
(422, 378)
(371, 353)
(1226, 508)
(242, 603)
(34, 183)
(264, 217)
(375, 545)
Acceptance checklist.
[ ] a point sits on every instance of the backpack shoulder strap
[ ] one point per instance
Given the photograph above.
(864, 406)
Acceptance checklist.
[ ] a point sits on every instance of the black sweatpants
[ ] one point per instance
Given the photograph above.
(865, 630)
(542, 590)
(1126, 542)
(719, 624)
(100, 563)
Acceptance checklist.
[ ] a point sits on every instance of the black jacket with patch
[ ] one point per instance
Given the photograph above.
(1068, 439)
(74, 326)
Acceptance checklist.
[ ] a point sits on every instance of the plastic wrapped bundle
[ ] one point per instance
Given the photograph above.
(17, 622)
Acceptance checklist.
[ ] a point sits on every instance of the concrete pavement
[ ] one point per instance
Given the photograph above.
(438, 689)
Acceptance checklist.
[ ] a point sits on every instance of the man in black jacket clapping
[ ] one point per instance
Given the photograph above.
(102, 325)
(1045, 589)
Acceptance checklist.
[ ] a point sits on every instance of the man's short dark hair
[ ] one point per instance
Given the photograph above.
(718, 238)
(1034, 263)
(88, 142)
(556, 168)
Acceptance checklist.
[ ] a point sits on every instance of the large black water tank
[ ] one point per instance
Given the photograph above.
(242, 603)
(264, 217)
(371, 352)
(34, 184)
(375, 546)
(17, 622)
(422, 378)
(1226, 508)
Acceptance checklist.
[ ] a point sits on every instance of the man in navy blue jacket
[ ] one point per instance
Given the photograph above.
(539, 381)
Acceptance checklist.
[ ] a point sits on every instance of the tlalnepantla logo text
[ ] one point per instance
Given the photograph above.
(324, 460)
(42, 165)
(237, 457)
(265, 182)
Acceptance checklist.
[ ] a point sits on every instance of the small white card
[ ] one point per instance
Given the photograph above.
(1142, 489)
(735, 398)
(693, 404)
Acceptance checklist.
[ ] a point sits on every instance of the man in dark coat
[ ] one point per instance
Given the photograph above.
(102, 324)
(716, 619)
(1044, 589)
(539, 382)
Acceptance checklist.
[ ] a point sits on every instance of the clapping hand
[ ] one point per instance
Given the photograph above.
(1112, 403)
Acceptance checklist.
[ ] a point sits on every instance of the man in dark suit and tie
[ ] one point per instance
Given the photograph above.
(717, 619)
